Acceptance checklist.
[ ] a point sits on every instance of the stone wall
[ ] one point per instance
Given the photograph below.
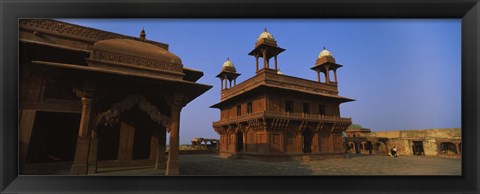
(430, 139)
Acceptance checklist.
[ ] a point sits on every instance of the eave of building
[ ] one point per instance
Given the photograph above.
(53, 45)
(72, 31)
(188, 73)
(228, 72)
(192, 89)
(192, 74)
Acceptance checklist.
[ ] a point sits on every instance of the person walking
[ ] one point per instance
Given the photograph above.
(394, 151)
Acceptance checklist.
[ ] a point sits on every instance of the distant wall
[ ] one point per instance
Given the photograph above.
(430, 139)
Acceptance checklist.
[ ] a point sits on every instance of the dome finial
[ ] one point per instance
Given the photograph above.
(228, 58)
(143, 34)
(265, 35)
(325, 53)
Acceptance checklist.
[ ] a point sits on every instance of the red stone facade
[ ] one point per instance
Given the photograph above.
(92, 99)
(272, 116)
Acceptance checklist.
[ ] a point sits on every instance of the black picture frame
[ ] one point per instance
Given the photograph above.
(467, 10)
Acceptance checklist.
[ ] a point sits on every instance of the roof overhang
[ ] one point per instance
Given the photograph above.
(192, 90)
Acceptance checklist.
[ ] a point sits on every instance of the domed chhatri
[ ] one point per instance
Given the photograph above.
(325, 53)
(265, 35)
(228, 66)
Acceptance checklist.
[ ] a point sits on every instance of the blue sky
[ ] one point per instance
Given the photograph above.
(403, 74)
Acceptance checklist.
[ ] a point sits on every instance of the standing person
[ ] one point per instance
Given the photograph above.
(394, 151)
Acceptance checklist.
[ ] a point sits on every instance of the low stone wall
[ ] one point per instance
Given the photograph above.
(405, 140)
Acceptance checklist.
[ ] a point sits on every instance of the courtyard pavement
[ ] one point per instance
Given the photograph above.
(209, 164)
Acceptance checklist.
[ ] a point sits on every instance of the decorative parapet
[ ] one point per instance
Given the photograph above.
(144, 62)
(284, 81)
(283, 115)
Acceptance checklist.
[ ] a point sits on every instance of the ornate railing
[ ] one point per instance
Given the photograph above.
(288, 82)
(287, 115)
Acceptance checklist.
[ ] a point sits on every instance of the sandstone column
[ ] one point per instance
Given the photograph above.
(256, 61)
(160, 163)
(276, 63)
(27, 120)
(92, 155)
(173, 146)
(80, 161)
(457, 148)
(264, 52)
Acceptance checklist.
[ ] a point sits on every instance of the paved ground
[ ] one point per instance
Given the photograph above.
(359, 165)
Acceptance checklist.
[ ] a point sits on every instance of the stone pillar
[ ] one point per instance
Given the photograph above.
(27, 121)
(173, 146)
(318, 74)
(374, 147)
(160, 162)
(335, 75)
(276, 63)
(299, 142)
(92, 156)
(315, 142)
(221, 81)
(264, 52)
(127, 138)
(244, 141)
(327, 75)
(80, 161)
(234, 82)
(218, 144)
(256, 61)
(457, 148)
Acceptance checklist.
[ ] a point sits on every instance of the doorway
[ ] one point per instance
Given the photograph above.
(417, 148)
(239, 141)
(307, 141)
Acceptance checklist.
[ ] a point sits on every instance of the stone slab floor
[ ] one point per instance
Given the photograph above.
(208, 164)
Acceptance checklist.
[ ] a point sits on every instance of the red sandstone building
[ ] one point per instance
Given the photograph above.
(91, 99)
(275, 116)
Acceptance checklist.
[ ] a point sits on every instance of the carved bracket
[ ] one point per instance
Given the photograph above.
(111, 116)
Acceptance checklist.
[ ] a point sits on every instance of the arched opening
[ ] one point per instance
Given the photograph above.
(307, 136)
(331, 75)
(381, 148)
(323, 77)
(448, 148)
(239, 141)
(203, 145)
(126, 129)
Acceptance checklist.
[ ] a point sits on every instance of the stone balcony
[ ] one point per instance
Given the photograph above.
(284, 115)
(270, 78)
